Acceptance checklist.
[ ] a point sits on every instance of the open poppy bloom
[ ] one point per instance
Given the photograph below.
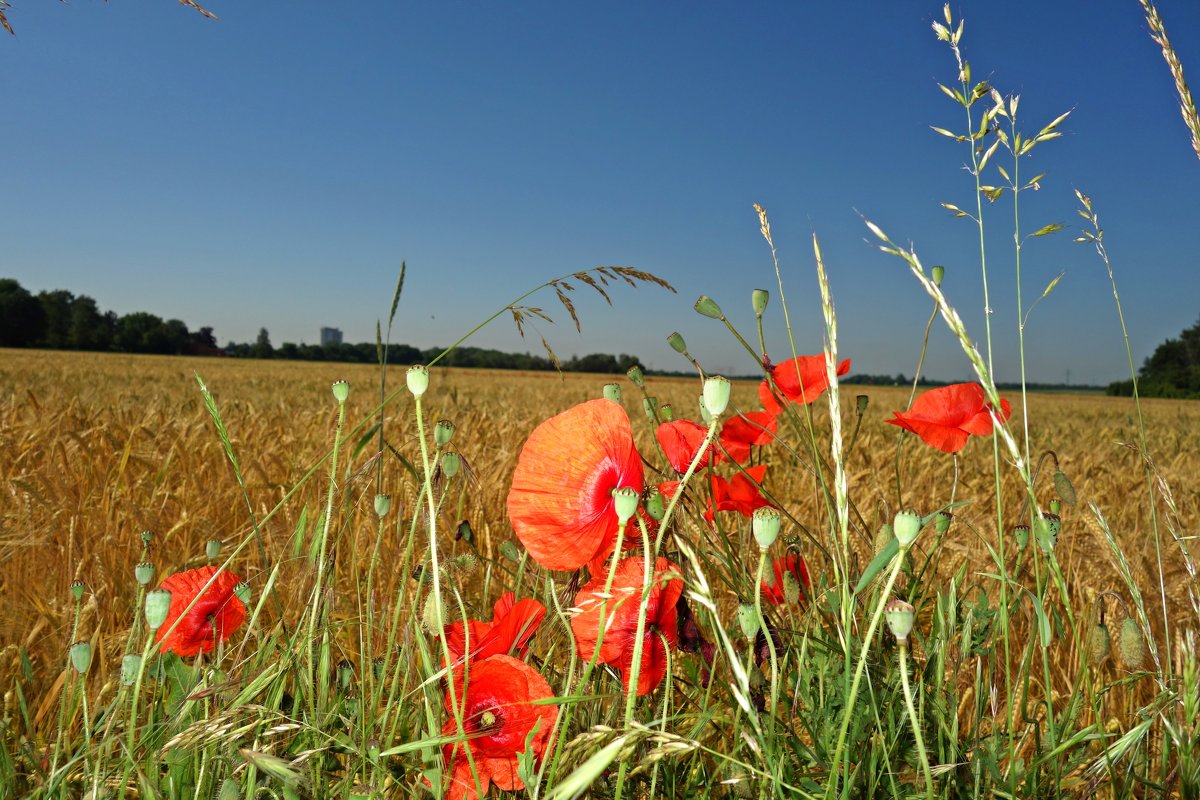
(681, 439)
(497, 715)
(212, 618)
(513, 625)
(560, 504)
(743, 431)
(616, 642)
(801, 380)
(794, 564)
(739, 493)
(944, 417)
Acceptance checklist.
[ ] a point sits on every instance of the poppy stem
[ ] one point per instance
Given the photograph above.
(762, 626)
(912, 718)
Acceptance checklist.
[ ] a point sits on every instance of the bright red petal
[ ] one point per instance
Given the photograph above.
(681, 439)
(214, 616)
(943, 437)
(741, 432)
(803, 379)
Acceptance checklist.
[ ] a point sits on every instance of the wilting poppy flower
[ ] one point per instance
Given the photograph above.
(681, 439)
(561, 504)
(944, 417)
(743, 431)
(800, 380)
(739, 493)
(212, 618)
(497, 713)
(621, 619)
(794, 564)
(513, 625)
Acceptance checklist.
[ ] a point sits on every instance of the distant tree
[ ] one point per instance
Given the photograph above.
(204, 337)
(22, 321)
(1172, 370)
(176, 336)
(56, 308)
(262, 345)
(140, 332)
(89, 329)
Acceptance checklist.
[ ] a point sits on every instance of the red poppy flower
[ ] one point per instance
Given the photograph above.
(801, 380)
(498, 712)
(740, 433)
(561, 504)
(621, 619)
(513, 625)
(791, 563)
(944, 417)
(681, 439)
(212, 618)
(739, 493)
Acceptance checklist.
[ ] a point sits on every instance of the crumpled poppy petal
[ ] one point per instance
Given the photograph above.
(214, 616)
(946, 416)
(752, 428)
(801, 380)
(680, 440)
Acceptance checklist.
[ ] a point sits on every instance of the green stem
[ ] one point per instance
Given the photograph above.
(912, 718)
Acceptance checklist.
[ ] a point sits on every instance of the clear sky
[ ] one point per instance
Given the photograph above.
(273, 168)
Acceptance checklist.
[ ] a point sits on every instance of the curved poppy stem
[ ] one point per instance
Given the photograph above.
(912, 718)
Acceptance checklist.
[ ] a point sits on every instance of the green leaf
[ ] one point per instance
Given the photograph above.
(878, 564)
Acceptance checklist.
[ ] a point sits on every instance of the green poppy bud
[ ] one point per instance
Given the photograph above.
(77, 588)
(418, 379)
(1055, 506)
(144, 573)
(466, 564)
(939, 272)
(906, 526)
(758, 299)
(81, 656)
(942, 522)
(861, 402)
(345, 673)
(625, 503)
(1021, 534)
(212, 548)
(1131, 644)
(747, 619)
(443, 432)
(899, 616)
(377, 668)
(708, 307)
(451, 462)
(791, 587)
(383, 504)
(765, 524)
(650, 406)
(158, 604)
(509, 550)
(667, 412)
(634, 374)
(655, 503)
(1064, 487)
(612, 391)
(341, 390)
(716, 394)
(1098, 644)
(677, 343)
(130, 665)
(241, 590)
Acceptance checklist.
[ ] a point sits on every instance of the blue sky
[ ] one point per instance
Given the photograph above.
(272, 169)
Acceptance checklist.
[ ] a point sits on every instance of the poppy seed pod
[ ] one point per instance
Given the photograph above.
(1021, 534)
(158, 604)
(1055, 506)
(667, 412)
(634, 374)
(443, 432)
(654, 503)
(130, 665)
(677, 343)
(765, 524)
(938, 273)
(241, 590)
(1046, 528)
(212, 548)
(377, 668)
(418, 379)
(716, 394)
(747, 618)
(345, 673)
(77, 588)
(144, 573)
(708, 307)
(383, 504)
(1131, 644)
(906, 526)
(81, 656)
(341, 390)
(758, 299)
(625, 503)
(451, 462)
(899, 615)
(942, 522)
(861, 402)
(612, 391)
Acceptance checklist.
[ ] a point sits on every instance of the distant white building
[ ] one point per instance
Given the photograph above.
(331, 336)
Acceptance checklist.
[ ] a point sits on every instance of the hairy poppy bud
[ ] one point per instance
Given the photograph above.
(716, 394)
(77, 588)
(634, 374)
(1064, 487)
(708, 307)
(938, 273)
(899, 615)
(677, 343)
(144, 573)
(81, 656)
(612, 391)
(1098, 644)
(130, 665)
(625, 503)
(158, 603)
(654, 503)
(758, 299)
(451, 461)
(906, 526)
(383, 504)
(466, 564)
(230, 790)
(1021, 534)
(765, 524)
(884, 537)
(791, 587)
(1131, 644)
(212, 548)
(443, 432)
(432, 615)
(341, 390)
(418, 379)
(509, 550)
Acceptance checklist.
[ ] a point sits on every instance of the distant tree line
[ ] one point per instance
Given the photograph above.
(61, 320)
(1173, 370)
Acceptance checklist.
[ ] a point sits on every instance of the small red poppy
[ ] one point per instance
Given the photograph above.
(214, 616)
(944, 417)
(498, 712)
(739, 493)
(800, 380)
(752, 428)
(621, 619)
(681, 439)
(513, 625)
(560, 503)
(793, 563)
